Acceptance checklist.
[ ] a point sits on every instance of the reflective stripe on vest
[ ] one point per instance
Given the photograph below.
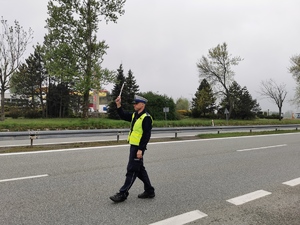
(136, 134)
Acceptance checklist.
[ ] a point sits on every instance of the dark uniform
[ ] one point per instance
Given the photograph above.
(135, 167)
(139, 136)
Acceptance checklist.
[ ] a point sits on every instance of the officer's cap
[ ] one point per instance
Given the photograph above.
(138, 99)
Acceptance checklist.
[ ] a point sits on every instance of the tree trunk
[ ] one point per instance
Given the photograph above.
(60, 104)
(231, 103)
(85, 105)
(2, 105)
(42, 100)
(279, 114)
(89, 63)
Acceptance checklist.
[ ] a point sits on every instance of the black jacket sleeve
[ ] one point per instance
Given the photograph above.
(147, 126)
(127, 116)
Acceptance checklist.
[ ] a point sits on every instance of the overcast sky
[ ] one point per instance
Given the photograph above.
(162, 40)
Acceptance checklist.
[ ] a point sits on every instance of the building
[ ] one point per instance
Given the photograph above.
(99, 101)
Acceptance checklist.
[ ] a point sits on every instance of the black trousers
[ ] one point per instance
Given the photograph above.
(135, 168)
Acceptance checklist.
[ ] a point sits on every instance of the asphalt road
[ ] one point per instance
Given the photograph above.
(230, 181)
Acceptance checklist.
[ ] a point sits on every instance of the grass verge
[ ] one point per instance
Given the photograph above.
(103, 123)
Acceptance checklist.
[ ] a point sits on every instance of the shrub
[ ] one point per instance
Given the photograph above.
(31, 114)
(14, 113)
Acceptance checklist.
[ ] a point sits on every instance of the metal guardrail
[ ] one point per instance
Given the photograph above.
(209, 129)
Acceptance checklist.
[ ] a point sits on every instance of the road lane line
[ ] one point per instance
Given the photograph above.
(182, 219)
(117, 146)
(252, 149)
(293, 182)
(248, 197)
(61, 150)
(24, 178)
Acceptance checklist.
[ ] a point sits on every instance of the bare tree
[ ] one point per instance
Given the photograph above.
(275, 92)
(13, 43)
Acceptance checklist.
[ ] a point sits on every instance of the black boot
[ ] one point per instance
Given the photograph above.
(146, 195)
(119, 197)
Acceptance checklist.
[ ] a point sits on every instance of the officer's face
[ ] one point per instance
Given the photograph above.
(138, 107)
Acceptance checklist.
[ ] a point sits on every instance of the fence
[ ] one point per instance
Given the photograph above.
(32, 135)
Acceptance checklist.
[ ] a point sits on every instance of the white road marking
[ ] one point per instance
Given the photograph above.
(182, 219)
(153, 143)
(265, 147)
(248, 197)
(23, 178)
(61, 150)
(293, 182)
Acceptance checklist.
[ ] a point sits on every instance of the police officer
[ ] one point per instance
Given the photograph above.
(138, 138)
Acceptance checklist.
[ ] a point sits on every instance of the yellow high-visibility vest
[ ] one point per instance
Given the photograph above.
(136, 134)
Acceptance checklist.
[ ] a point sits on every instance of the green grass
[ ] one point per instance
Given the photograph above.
(60, 124)
(220, 122)
(103, 123)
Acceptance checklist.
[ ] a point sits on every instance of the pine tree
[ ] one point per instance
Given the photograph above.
(112, 108)
(130, 89)
(204, 101)
(41, 74)
(248, 107)
(30, 79)
(244, 107)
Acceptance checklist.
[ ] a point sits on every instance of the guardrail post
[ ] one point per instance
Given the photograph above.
(118, 137)
(176, 134)
(31, 137)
